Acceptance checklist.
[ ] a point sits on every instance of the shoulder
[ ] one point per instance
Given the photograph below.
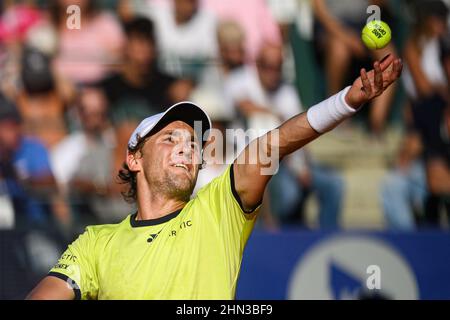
(32, 148)
(71, 147)
(204, 17)
(216, 183)
(98, 233)
(241, 73)
(71, 142)
(30, 142)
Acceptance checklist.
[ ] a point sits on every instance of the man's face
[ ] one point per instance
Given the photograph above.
(170, 160)
(185, 9)
(140, 51)
(93, 110)
(437, 26)
(269, 68)
(233, 55)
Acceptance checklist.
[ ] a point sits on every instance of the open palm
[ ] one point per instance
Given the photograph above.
(370, 85)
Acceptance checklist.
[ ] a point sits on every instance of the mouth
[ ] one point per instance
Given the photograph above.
(185, 167)
(181, 165)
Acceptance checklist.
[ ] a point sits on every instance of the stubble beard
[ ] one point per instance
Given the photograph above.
(173, 186)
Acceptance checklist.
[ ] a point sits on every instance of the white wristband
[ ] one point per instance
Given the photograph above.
(327, 114)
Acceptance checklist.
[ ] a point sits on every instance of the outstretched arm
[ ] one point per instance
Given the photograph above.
(251, 177)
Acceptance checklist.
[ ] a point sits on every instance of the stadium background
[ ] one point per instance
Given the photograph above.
(76, 100)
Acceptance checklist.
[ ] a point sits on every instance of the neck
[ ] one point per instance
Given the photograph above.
(153, 204)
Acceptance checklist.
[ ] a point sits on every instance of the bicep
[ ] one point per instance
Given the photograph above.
(52, 288)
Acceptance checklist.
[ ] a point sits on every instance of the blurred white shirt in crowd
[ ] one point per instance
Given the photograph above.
(87, 159)
(430, 63)
(245, 85)
(192, 42)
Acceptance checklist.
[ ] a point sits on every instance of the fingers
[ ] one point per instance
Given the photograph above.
(397, 67)
(367, 87)
(386, 61)
(378, 78)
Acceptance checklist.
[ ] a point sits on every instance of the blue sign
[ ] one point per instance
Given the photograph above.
(345, 265)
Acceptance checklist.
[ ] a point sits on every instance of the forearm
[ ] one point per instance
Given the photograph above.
(320, 118)
(261, 157)
(265, 152)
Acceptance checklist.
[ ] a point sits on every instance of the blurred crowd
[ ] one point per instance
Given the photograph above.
(74, 85)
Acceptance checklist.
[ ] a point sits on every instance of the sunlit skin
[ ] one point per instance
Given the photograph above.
(163, 188)
(167, 170)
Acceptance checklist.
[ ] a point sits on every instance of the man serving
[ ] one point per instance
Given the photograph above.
(175, 247)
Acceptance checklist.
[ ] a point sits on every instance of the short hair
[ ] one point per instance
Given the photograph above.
(230, 32)
(140, 27)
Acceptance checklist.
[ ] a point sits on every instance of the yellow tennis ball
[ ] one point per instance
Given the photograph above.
(376, 34)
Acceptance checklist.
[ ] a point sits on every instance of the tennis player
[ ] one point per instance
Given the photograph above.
(175, 247)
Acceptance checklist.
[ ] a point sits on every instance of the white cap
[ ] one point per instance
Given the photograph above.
(185, 111)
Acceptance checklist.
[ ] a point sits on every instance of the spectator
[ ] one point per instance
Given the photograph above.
(83, 164)
(186, 36)
(39, 102)
(264, 101)
(86, 54)
(285, 13)
(210, 91)
(16, 21)
(337, 36)
(27, 207)
(16, 24)
(211, 95)
(254, 17)
(404, 189)
(140, 88)
(437, 155)
(25, 168)
(426, 82)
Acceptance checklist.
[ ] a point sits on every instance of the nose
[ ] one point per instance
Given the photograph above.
(185, 148)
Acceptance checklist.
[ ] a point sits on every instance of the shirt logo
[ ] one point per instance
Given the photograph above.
(153, 237)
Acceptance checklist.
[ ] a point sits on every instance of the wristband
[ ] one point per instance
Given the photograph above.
(327, 114)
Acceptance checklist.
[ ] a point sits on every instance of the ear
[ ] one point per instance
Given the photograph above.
(134, 161)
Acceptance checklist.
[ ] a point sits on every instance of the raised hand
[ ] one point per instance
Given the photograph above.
(373, 83)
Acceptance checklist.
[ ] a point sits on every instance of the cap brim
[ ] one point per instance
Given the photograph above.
(187, 112)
